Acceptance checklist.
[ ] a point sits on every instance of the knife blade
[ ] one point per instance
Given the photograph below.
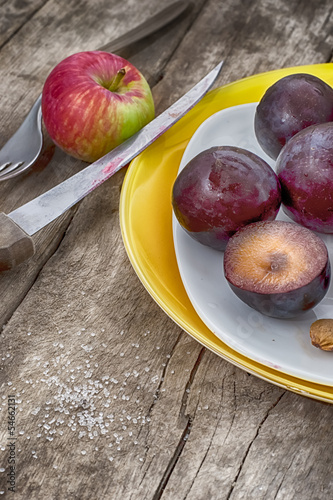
(148, 27)
(120, 46)
(16, 228)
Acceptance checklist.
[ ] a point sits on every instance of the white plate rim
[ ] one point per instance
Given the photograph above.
(183, 242)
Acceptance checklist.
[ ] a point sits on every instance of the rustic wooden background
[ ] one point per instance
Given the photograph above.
(115, 401)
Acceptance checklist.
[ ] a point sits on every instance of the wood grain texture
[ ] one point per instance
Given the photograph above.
(54, 166)
(114, 400)
(14, 15)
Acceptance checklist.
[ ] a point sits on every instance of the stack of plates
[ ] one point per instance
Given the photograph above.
(186, 278)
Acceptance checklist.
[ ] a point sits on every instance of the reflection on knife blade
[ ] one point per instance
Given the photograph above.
(118, 45)
(15, 244)
(39, 212)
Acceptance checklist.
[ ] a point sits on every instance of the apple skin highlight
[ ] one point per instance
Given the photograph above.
(89, 108)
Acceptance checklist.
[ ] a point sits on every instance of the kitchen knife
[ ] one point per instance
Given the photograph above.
(16, 228)
(148, 27)
(119, 46)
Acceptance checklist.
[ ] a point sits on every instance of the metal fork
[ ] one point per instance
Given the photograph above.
(24, 147)
(26, 143)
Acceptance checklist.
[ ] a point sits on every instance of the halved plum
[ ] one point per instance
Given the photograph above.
(279, 268)
(221, 190)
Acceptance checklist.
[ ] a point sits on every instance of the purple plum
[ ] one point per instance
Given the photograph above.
(289, 106)
(221, 190)
(305, 170)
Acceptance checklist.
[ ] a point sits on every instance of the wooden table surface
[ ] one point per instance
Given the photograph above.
(114, 400)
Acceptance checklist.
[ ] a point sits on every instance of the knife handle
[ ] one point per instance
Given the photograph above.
(16, 246)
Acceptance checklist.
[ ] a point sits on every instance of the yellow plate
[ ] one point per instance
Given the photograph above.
(146, 221)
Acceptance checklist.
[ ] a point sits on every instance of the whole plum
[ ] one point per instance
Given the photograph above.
(289, 106)
(305, 171)
(221, 190)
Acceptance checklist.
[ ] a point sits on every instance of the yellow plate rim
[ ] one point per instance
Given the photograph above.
(234, 94)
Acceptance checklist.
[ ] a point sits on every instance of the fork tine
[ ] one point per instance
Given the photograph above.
(5, 165)
(10, 167)
(24, 147)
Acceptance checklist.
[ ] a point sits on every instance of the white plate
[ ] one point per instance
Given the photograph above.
(283, 344)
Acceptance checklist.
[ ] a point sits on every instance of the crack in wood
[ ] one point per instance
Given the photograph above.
(155, 399)
(210, 443)
(186, 432)
(155, 79)
(233, 415)
(174, 459)
(189, 384)
(158, 390)
(284, 475)
(234, 482)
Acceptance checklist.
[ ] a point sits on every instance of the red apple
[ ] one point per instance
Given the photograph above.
(93, 101)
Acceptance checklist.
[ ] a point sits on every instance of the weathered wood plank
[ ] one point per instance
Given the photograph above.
(261, 37)
(115, 401)
(14, 15)
(223, 409)
(294, 460)
(54, 166)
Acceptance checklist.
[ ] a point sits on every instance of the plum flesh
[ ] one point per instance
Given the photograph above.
(222, 189)
(290, 105)
(278, 268)
(305, 171)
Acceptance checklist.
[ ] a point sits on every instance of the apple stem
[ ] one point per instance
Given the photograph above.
(117, 79)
